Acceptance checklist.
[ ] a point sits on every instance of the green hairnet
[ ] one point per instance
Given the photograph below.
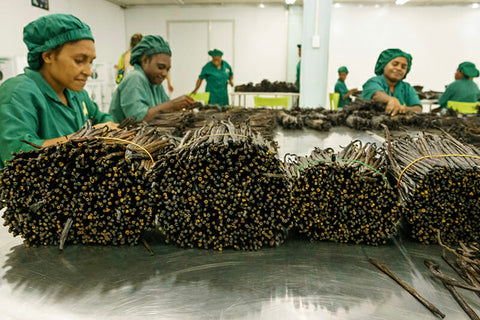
(149, 45)
(50, 31)
(468, 69)
(215, 53)
(343, 69)
(388, 55)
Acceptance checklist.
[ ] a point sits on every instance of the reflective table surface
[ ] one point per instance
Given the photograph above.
(297, 280)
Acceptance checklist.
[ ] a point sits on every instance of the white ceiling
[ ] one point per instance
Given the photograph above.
(132, 3)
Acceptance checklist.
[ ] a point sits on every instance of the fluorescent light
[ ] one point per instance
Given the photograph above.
(400, 2)
(337, 5)
(261, 5)
(475, 6)
(289, 1)
(377, 6)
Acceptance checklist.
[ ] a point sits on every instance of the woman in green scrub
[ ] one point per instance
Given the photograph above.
(341, 87)
(463, 89)
(299, 65)
(388, 86)
(141, 94)
(218, 74)
(47, 102)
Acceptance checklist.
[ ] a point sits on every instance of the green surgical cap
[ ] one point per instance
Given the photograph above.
(215, 53)
(388, 55)
(343, 69)
(149, 45)
(468, 69)
(50, 31)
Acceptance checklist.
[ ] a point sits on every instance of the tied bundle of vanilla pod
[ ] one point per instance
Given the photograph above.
(222, 187)
(91, 189)
(344, 197)
(439, 185)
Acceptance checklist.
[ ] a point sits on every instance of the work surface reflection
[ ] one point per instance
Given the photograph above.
(298, 280)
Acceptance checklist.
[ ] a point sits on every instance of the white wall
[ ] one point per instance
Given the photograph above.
(438, 38)
(260, 37)
(105, 19)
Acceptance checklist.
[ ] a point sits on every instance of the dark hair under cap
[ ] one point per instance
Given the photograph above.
(51, 31)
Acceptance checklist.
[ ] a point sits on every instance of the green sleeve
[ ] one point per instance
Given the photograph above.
(95, 114)
(341, 88)
(204, 73)
(230, 74)
(18, 121)
(133, 97)
(412, 98)
(371, 86)
(447, 95)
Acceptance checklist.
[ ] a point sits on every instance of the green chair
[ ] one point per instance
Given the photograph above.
(463, 107)
(271, 102)
(204, 96)
(334, 98)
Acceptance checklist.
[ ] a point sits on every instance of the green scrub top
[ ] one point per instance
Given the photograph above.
(217, 82)
(135, 95)
(463, 90)
(404, 92)
(341, 88)
(297, 81)
(31, 110)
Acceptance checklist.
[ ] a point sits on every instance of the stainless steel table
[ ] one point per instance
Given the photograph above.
(297, 280)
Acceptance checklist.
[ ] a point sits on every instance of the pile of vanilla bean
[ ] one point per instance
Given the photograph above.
(344, 197)
(222, 187)
(92, 189)
(439, 186)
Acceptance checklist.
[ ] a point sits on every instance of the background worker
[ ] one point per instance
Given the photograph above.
(124, 66)
(341, 87)
(388, 86)
(218, 74)
(47, 103)
(463, 89)
(297, 81)
(141, 94)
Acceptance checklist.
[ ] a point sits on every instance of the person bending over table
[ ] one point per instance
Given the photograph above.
(341, 87)
(388, 86)
(47, 103)
(141, 94)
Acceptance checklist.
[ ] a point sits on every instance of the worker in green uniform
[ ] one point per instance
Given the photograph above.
(297, 81)
(341, 87)
(47, 103)
(388, 86)
(218, 74)
(463, 89)
(141, 94)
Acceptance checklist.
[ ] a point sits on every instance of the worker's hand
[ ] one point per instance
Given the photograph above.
(394, 107)
(170, 88)
(230, 82)
(181, 103)
(352, 90)
(110, 124)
